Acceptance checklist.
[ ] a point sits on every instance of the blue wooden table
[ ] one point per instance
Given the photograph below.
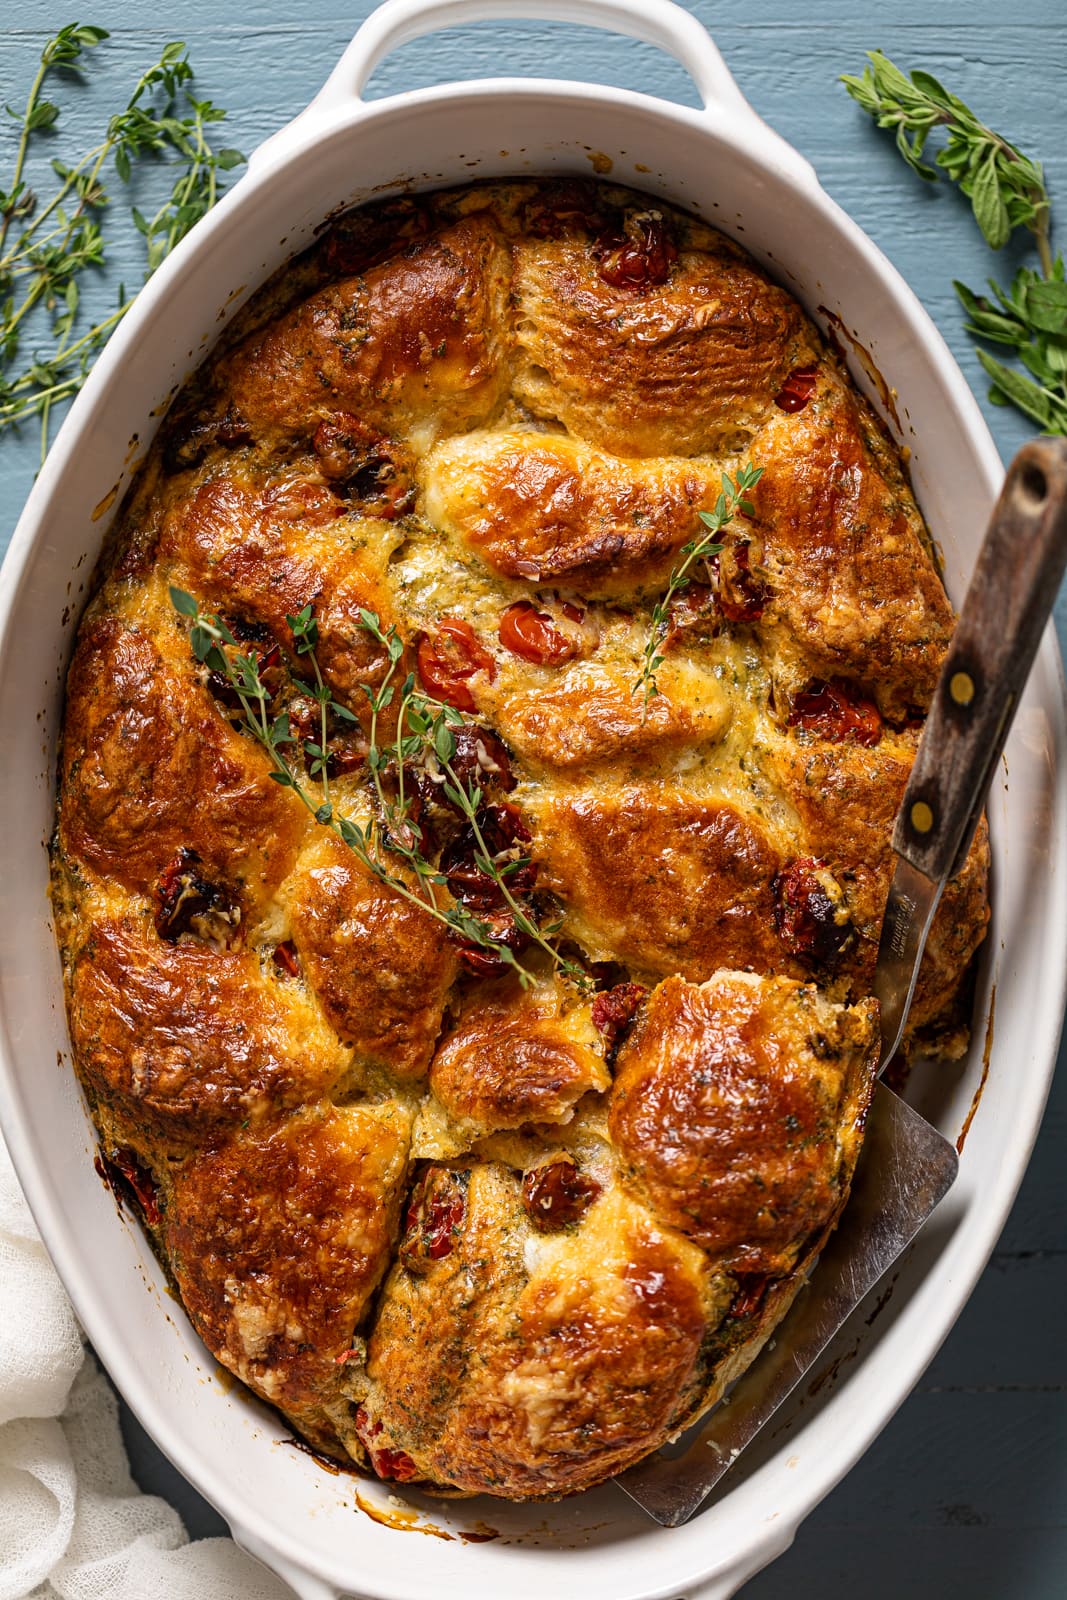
(965, 1493)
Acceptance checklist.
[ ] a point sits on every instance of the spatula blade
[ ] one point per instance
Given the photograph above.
(905, 1169)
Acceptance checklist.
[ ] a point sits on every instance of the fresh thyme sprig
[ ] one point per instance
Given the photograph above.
(1007, 191)
(731, 500)
(424, 735)
(54, 240)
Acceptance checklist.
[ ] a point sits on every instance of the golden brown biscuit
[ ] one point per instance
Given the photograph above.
(684, 367)
(738, 1109)
(150, 768)
(380, 967)
(277, 1240)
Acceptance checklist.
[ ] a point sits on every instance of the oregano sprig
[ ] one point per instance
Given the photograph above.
(425, 733)
(1007, 190)
(732, 499)
(46, 244)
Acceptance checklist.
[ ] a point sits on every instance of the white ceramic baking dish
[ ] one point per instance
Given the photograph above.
(725, 163)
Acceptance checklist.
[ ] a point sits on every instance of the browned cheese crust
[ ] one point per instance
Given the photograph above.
(468, 1233)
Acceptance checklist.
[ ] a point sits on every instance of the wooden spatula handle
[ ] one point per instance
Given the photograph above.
(1008, 603)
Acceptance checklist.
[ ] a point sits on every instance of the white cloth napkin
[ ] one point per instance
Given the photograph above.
(73, 1524)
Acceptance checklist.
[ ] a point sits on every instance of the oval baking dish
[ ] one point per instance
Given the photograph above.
(724, 164)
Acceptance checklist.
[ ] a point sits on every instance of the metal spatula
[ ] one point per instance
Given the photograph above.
(906, 1167)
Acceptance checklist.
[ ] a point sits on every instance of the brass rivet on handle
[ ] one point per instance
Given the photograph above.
(922, 817)
(961, 688)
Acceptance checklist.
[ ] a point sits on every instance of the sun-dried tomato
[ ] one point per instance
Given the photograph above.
(751, 1292)
(531, 633)
(481, 758)
(450, 657)
(556, 1194)
(192, 429)
(234, 429)
(345, 752)
(694, 610)
(285, 958)
(346, 743)
(246, 631)
(395, 1465)
(838, 711)
(642, 256)
(189, 906)
(129, 1179)
(505, 934)
(741, 594)
(797, 389)
(807, 914)
(615, 1009)
(254, 639)
(505, 836)
(365, 465)
(435, 1216)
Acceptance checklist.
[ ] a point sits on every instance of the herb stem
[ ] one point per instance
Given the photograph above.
(1043, 236)
(24, 143)
(43, 259)
(430, 723)
(732, 498)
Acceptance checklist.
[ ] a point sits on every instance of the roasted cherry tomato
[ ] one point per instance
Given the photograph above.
(531, 634)
(448, 658)
(556, 1194)
(797, 389)
(837, 711)
(643, 256)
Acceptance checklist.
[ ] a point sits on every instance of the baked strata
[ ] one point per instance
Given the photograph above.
(499, 1211)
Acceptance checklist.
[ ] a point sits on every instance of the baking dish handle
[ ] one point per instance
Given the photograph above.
(655, 22)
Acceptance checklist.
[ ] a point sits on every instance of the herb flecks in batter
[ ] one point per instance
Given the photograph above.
(424, 741)
(731, 500)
